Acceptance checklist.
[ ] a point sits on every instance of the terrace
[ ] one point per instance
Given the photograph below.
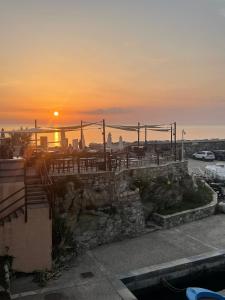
(67, 159)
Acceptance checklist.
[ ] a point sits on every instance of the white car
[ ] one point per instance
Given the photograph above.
(204, 155)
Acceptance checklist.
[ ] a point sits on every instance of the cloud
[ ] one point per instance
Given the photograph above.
(107, 111)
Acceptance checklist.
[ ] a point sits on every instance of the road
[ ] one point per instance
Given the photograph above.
(198, 166)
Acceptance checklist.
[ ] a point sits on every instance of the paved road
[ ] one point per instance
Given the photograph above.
(198, 166)
(109, 262)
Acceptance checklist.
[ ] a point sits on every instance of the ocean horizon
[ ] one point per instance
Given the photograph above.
(94, 134)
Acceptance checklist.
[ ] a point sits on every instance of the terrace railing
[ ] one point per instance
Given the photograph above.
(69, 164)
(47, 184)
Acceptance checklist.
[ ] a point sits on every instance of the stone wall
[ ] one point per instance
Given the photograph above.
(107, 207)
(187, 216)
(124, 219)
(190, 147)
(147, 173)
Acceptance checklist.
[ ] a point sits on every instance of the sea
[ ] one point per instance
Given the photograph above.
(93, 134)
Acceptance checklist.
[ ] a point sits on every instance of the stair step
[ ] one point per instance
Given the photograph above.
(43, 196)
(33, 181)
(11, 216)
(34, 185)
(38, 204)
(33, 193)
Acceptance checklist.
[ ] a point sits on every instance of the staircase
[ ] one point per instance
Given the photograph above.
(37, 192)
(13, 215)
(25, 219)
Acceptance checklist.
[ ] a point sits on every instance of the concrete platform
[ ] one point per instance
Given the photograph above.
(111, 262)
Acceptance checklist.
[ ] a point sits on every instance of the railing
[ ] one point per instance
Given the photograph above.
(76, 165)
(47, 183)
(14, 204)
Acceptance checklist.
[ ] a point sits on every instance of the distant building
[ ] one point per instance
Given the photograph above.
(82, 144)
(109, 140)
(75, 144)
(121, 146)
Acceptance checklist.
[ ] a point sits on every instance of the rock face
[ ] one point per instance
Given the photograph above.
(97, 215)
(104, 207)
(123, 219)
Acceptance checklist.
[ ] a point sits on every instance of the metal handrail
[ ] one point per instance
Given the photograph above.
(11, 195)
(11, 204)
(48, 184)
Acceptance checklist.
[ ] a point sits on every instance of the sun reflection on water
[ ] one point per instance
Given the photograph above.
(56, 139)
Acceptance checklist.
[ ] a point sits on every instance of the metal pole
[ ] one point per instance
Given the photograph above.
(171, 138)
(138, 134)
(81, 135)
(145, 134)
(175, 141)
(35, 125)
(104, 142)
(182, 145)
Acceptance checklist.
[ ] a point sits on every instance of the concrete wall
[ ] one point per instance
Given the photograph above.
(29, 243)
(11, 170)
(11, 180)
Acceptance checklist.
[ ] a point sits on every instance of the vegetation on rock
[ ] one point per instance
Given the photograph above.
(167, 195)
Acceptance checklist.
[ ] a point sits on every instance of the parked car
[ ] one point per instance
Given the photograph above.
(204, 155)
(219, 154)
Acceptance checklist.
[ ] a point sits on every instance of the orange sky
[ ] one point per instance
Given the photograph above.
(126, 61)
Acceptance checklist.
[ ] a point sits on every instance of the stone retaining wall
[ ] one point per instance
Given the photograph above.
(187, 216)
(126, 220)
(113, 209)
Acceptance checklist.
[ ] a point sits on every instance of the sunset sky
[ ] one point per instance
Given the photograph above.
(125, 60)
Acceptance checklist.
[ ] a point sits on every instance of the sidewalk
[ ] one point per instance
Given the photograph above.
(110, 262)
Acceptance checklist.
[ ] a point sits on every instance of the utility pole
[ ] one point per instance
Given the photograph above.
(35, 125)
(104, 142)
(138, 134)
(171, 138)
(81, 135)
(182, 145)
(175, 141)
(145, 134)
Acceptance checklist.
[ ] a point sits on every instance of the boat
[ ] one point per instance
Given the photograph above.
(193, 293)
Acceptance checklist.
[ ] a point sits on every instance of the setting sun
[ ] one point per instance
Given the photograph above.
(56, 113)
